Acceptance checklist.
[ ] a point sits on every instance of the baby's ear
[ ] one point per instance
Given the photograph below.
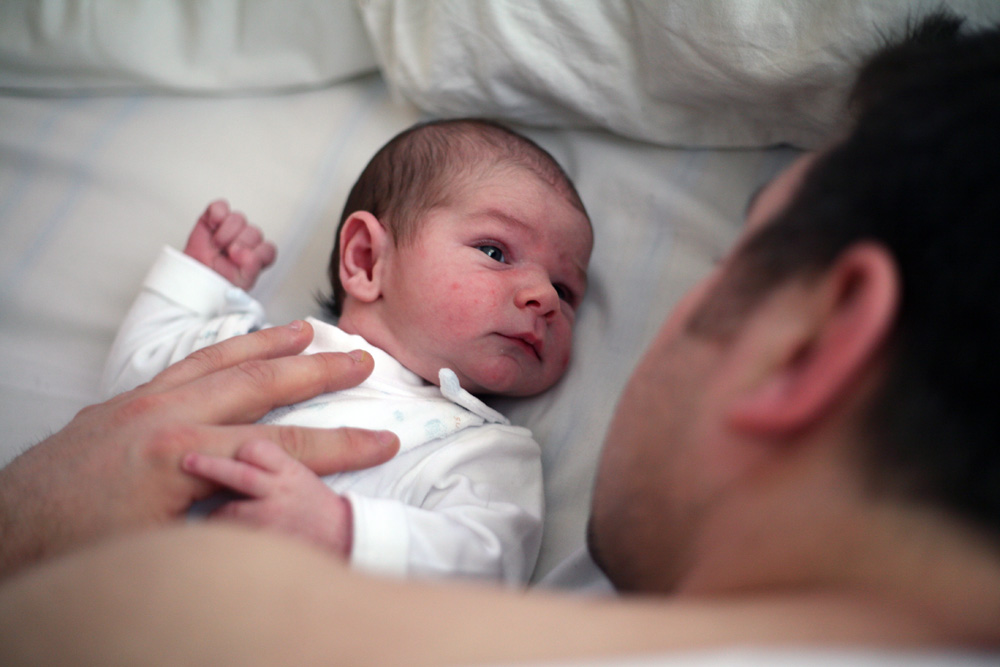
(362, 242)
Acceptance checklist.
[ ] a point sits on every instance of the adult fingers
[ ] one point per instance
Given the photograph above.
(324, 451)
(247, 391)
(270, 343)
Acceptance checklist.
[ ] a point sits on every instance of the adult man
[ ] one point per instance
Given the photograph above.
(800, 457)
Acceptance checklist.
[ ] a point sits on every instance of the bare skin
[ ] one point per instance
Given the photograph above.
(223, 241)
(243, 580)
(130, 448)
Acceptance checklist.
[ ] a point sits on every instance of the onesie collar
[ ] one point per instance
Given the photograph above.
(391, 376)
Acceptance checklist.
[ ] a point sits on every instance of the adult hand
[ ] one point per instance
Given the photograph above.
(117, 465)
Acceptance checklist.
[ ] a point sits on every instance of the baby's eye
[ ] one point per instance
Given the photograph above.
(493, 252)
(564, 293)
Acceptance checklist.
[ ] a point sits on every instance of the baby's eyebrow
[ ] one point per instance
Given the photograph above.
(505, 217)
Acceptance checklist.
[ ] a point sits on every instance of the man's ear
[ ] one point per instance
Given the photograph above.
(821, 338)
(363, 241)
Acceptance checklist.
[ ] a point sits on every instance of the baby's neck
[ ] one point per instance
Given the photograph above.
(364, 323)
(358, 324)
(348, 323)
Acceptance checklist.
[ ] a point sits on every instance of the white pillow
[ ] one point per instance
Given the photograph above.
(683, 72)
(68, 46)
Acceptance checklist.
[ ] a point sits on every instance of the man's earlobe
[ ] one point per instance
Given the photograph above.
(362, 242)
(825, 337)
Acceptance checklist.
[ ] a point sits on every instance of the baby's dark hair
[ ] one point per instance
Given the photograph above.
(417, 169)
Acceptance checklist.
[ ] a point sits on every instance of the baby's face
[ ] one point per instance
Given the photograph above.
(490, 285)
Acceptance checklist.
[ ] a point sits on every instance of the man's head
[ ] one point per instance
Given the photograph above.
(876, 275)
(464, 245)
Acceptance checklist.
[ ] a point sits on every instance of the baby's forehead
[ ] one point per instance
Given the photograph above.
(546, 174)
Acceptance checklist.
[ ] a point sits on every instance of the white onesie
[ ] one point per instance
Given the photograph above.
(463, 497)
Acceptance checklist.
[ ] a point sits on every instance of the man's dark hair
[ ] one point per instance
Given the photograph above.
(421, 167)
(919, 173)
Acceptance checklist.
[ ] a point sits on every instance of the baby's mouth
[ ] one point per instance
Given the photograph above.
(530, 343)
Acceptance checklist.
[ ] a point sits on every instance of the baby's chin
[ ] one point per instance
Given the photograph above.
(515, 385)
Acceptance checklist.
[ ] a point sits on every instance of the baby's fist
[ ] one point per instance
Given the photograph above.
(223, 241)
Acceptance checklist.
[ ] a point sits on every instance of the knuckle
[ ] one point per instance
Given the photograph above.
(351, 439)
(206, 359)
(258, 373)
(168, 443)
(254, 450)
(142, 407)
(293, 440)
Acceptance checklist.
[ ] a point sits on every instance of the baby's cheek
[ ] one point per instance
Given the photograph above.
(562, 362)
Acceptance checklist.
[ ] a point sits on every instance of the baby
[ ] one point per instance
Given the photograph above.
(459, 263)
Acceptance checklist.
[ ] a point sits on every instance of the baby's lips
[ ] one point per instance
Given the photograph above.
(532, 341)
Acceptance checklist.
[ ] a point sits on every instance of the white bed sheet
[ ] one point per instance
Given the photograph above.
(91, 187)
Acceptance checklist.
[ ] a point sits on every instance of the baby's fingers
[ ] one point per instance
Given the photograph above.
(251, 261)
(229, 230)
(266, 455)
(214, 214)
(249, 237)
(266, 253)
(201, 243)
(235, 475)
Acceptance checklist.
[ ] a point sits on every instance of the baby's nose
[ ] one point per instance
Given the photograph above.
(539, 294)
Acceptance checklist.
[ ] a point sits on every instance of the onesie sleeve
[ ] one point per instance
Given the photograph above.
(183, 306)
(471, 509)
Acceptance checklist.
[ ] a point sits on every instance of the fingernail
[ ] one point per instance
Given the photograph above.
(358, 355)
(296, 325)
(386, 437)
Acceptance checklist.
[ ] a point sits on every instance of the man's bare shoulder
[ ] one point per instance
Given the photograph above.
(256, 598)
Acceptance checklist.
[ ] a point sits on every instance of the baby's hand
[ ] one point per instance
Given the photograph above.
(224, 242)
(282, 494)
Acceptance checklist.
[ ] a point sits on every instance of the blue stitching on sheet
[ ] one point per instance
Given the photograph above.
(11, 199)
(80, 175)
